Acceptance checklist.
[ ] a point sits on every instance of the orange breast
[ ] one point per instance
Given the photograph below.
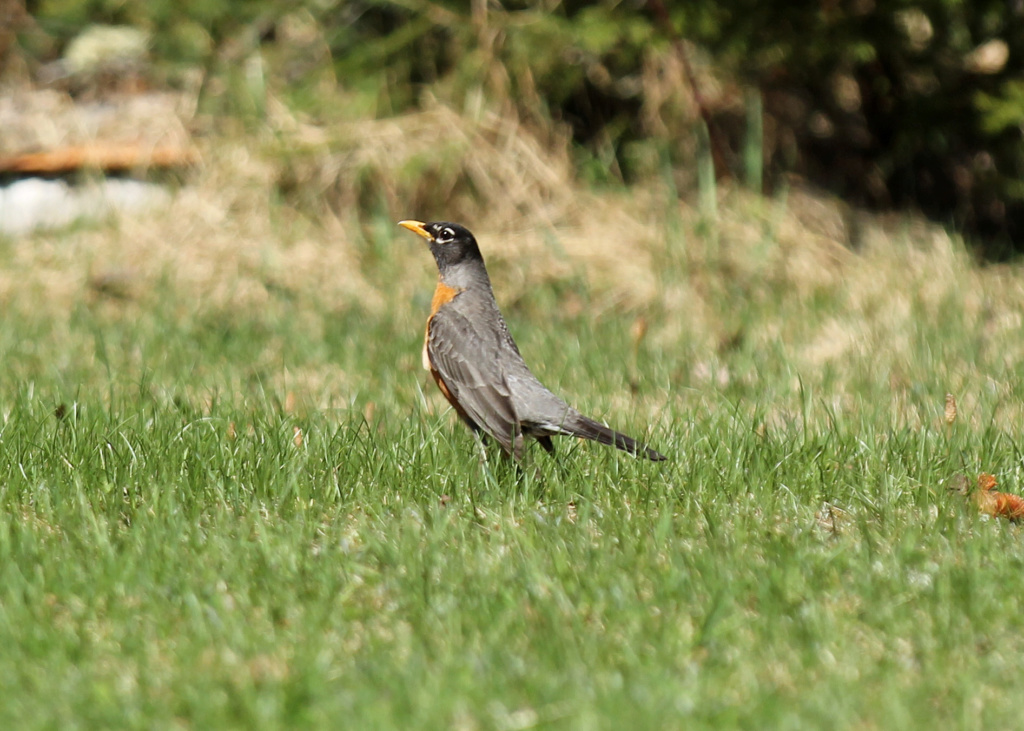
(443, 294)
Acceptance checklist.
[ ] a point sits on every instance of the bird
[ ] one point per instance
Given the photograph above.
(476, 364)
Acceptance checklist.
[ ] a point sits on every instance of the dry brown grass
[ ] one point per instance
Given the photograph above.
(36, 120)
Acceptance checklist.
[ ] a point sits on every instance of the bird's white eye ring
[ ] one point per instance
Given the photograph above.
(447, 233)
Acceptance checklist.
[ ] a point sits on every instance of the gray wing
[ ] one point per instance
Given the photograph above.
(468, 363)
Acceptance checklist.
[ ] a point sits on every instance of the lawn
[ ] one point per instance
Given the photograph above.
(231, 498)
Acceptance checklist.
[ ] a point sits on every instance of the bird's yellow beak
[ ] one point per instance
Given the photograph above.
(417, 228)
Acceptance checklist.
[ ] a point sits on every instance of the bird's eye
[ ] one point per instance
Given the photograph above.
(447, 234)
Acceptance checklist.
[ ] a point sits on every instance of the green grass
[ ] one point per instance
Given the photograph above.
(171, 556)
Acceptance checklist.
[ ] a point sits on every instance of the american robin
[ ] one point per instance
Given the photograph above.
(476, 364)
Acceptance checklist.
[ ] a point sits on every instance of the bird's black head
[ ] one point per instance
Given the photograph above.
(450, 243)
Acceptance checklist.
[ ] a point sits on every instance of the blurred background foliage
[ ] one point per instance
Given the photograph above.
(898, 105)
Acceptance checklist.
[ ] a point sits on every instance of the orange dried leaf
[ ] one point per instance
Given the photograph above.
(1009, 506)
(986, 502)
(995, 503)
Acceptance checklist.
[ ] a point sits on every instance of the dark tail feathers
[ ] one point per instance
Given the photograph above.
(590, 429)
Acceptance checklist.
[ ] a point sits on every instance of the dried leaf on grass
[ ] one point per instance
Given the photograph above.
(990, 501)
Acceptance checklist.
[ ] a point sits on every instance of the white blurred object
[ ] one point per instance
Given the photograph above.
(35, 203)
(101, 49)
(988, 58)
